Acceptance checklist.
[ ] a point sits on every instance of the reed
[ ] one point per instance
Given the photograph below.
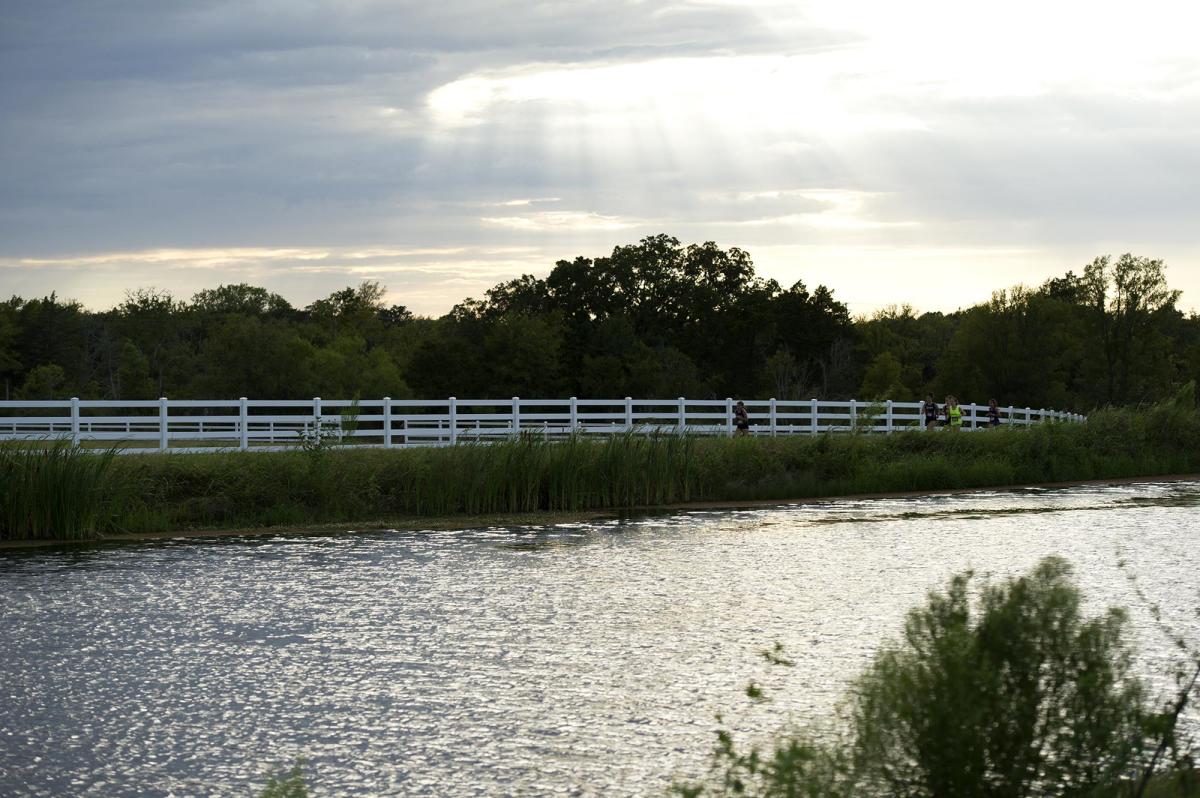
(55, 491)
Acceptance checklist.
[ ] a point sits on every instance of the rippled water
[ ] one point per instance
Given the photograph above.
(577, 660)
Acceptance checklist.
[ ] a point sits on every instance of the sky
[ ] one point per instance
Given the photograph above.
(922, 153)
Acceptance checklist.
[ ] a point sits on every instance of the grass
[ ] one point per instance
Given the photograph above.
(69, 494)
(56, 492)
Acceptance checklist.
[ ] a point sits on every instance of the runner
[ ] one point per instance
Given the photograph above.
(930, 408)
(953, 413)
(741, 419)
(993, 414)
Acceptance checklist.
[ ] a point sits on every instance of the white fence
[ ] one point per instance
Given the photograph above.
(202, 425)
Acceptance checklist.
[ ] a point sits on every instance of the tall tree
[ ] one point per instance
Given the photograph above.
(1126, 299)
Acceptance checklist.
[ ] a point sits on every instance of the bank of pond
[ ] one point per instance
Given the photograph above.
(60, 492)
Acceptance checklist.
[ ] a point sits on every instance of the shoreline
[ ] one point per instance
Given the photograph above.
(544, 518)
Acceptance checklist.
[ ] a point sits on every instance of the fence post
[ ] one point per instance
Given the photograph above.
(1028, 417)
(889, 421)
(74, 420)
(453, 414)
(853, 414)
(317, 416)
(628, 414)
(774, 417)
(813, 416)
(574, 414)
(387, 422)
(516, 416)
(164, 439)
(243, 425)
(729, 416)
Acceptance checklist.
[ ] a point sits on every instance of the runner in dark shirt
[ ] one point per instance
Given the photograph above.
(993, 414)
(741, 419)
(930, 409)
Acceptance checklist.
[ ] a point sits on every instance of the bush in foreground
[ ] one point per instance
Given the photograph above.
(1020, 696)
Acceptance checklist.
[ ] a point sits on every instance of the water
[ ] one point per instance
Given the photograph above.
(583, 659)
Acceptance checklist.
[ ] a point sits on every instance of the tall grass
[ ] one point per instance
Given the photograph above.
(529, 474)
(55, 491)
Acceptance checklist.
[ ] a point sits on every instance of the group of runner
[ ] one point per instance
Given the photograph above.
(950, 415)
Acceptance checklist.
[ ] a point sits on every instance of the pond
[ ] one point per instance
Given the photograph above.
(583, 659)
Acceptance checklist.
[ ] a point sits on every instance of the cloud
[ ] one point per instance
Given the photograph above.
(221, 140)
(559, 220)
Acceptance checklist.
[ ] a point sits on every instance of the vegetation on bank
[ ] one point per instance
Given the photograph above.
(63, 493)
(55, 492)
(1018, 695)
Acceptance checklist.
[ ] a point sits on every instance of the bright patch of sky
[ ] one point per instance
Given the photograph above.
(923, 153)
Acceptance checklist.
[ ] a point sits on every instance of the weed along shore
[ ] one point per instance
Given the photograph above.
(60, 493)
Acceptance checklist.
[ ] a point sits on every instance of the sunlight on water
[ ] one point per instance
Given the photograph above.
(583, 659)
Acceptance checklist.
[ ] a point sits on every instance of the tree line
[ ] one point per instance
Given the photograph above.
(652, 319)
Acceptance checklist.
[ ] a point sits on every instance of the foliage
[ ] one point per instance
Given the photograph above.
(1026, 698)
(1013, 694)
(56, 491)
(654, 318)
(43, 382)
(287, 785)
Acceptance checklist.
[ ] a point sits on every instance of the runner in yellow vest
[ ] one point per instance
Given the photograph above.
(954, 412)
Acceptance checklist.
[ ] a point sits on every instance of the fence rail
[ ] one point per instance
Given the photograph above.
(204, 425)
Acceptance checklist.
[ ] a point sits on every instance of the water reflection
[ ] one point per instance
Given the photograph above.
(582, 659)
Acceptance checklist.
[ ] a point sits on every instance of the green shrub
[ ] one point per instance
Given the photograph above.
(1013, 695)
(1024, 697)
(287, 785)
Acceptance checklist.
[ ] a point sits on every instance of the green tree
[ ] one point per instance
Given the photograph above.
(133, 374)
(239, 298)
(1022, 344)
(521, 354)
(448, 363)
(354, 311)
(785, 377)
(347, 367)
(158, 327)
(255, 358)
(918, 342)
(53, 332)
(882, 380)
(10, 364)
(44, 382)
(1128, 299)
